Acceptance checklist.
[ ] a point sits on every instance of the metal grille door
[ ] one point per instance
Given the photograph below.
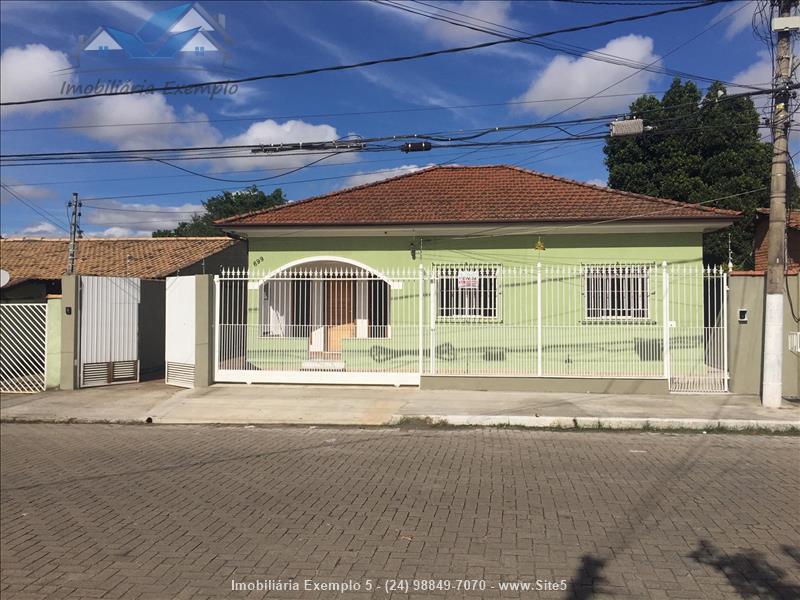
(698, 329)
(23, 347)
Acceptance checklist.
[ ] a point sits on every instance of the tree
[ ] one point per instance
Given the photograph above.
(226, 204)
(698, 151)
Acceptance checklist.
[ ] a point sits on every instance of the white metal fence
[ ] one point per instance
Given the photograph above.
(331, 324)
(23, 347)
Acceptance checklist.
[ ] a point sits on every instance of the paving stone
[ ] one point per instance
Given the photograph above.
(95, 511)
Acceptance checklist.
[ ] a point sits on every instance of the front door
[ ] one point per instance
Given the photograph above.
(340, 314)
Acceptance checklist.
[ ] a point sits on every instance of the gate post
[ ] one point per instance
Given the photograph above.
(421, 316)
(70, 328)
(204, 331)
(725, 374)
(665, 318)
(216, 328)
(432, 288)
(539, 319)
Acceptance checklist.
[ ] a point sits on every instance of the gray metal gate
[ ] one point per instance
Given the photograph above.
(109, 330)
(23, 347)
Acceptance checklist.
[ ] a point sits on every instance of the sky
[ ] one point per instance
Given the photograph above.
(507, 84)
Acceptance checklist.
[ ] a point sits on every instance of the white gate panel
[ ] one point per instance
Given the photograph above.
(23, 347)
(109, 330)
(180, 331)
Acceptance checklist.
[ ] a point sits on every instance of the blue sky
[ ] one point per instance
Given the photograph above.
(40, 42)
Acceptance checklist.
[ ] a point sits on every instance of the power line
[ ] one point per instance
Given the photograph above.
(319, 115)
(282, 184)
(368, 63)
(571, 49)
(42, 214)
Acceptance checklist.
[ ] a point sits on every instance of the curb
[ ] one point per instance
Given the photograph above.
(595, 423)
(524, 422)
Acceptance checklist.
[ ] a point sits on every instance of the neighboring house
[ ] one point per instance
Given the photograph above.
(37, 265)
(456, 270)
(792, 240)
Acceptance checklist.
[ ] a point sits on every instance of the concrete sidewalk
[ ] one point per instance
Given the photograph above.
(339, 405)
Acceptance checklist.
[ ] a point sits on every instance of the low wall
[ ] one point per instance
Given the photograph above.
(546, 384)
(746, 337)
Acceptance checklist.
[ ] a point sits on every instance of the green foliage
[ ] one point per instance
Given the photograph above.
(699, 149)
(226, 204)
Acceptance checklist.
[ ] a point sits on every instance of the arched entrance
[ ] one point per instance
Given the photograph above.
(328, 300)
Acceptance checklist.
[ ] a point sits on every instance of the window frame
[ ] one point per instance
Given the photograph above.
(440, 270)
(645, 272)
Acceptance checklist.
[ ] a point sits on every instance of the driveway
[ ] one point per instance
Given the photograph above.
(110, 511)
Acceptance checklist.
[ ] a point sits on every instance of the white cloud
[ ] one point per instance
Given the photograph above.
(584, 77)
(481, 14)
(598, 182)
(361, 178)
(169, 132)
(477, 12)
(272, 132)
(31, 72)
(136, 217)
(758, 74)
(741, 19)
(42, 229)
(27, 192)
(120, 232)
(143, 109)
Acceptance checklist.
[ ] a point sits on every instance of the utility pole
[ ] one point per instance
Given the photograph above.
(74, 231)
(772, 373)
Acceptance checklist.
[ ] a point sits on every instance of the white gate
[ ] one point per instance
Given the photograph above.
(180, 331)
(698, 329)
(23, 347)
(109, 330)
(320, 324)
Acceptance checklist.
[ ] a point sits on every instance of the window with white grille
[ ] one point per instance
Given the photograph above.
(468, 291)
(617, 292)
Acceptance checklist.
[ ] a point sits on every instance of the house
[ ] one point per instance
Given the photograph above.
(474, 271)
(792, 240)
(36, 265)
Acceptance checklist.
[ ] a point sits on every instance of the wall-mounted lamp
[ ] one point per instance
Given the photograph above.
(539, 245)
(413, 249)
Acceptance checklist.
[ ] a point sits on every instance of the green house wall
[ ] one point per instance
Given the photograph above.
(393, 252)
(570, 346)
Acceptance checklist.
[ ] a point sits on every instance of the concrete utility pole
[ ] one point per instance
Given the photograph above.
(772, 372)
(73, 232)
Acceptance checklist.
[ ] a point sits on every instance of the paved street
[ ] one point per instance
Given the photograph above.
(105, 511)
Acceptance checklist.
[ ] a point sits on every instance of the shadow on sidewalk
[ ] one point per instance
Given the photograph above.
(749, 572)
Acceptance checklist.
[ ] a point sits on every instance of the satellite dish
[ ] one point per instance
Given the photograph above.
(4, 277)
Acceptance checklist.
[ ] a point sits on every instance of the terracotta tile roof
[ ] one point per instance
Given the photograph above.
(150, 258)
(479, 194)
(792, 217)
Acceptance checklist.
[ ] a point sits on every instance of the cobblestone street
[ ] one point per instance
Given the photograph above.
(95, 511)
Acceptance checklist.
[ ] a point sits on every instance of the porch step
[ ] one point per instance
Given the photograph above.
(322, 365)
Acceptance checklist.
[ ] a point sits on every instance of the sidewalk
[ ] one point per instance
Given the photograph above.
(372, 406)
